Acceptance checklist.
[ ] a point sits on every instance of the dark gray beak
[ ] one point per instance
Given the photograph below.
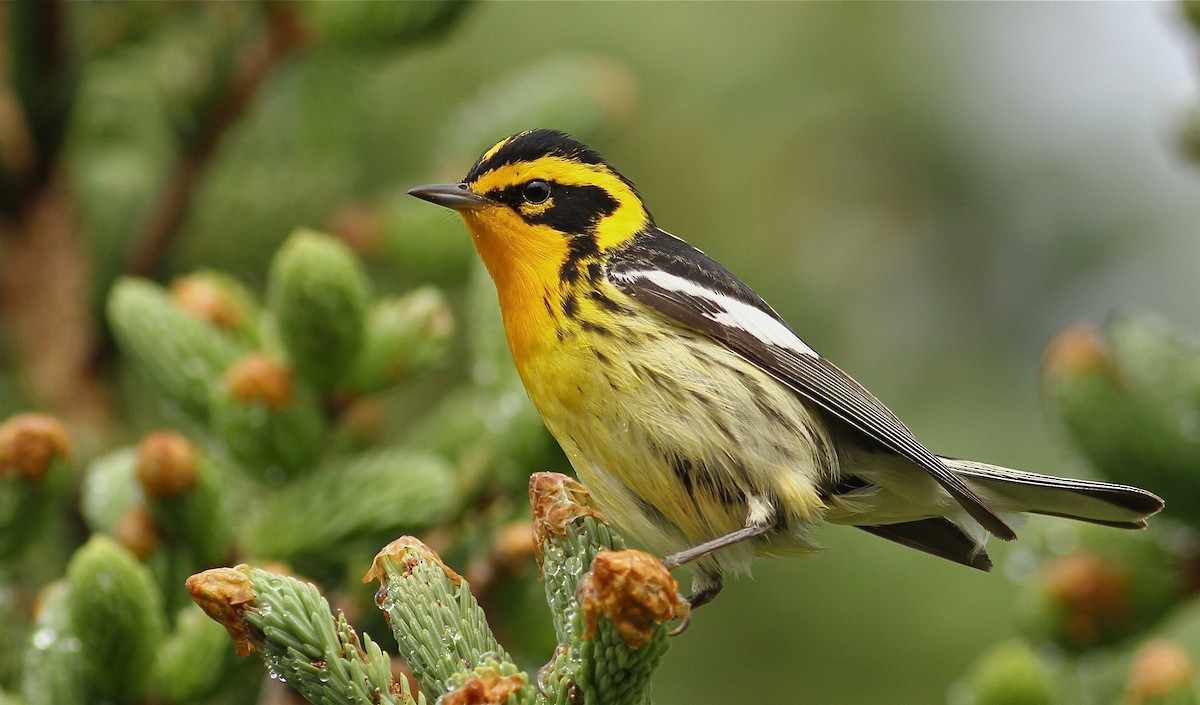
(456, 196)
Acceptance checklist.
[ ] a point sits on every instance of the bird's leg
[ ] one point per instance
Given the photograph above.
(759, 520)
(675, 560)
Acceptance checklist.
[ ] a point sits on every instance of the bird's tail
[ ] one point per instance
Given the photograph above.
(1007, 490)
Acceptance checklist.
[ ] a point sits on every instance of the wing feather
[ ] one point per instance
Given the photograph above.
(685, 285)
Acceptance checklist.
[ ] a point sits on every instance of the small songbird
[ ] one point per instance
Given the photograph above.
(701, 424)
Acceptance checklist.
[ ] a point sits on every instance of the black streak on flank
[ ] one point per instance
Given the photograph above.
(682, 467)
(648, 374)
(769, 410)
(594, 328)
(691, 476)
(729, 496)
(725, 430)
(605, 302)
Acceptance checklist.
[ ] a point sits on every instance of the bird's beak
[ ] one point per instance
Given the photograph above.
(456, 196)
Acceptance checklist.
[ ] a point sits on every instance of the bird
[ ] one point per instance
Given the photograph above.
(700, 423)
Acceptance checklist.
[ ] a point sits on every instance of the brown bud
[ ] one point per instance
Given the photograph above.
(167, 464)
(1160, 670)
(1094, 591)
(257, 378)
(486, 688)
(634, 590)
(29, 443)
(204, 298)
(223, 594)
(408, 552)
(137, 531)
(363, 419)
(1077, 351)
(557, 500)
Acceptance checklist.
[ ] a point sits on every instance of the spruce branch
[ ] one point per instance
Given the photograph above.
(271, 422)
(301, 642)
(34, 457)
(439, 626)
(54, 670)
(1128, 396)
(193, 660)
(612, 618)
(116, 612)
(625, 602)
(220, 300)
(360, 498)
(570, 533)
(177, 354)
(319, 294)
(181, 489)
(402, 334)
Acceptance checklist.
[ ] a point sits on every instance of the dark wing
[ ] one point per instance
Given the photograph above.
(681, 282)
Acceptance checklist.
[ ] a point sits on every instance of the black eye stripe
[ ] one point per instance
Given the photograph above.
(576, 208)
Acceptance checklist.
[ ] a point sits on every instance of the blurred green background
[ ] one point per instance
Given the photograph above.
(927, 192)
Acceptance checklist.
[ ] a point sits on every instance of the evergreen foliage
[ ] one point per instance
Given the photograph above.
(265, 354)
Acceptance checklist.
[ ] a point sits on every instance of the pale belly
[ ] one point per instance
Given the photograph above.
(673, 438)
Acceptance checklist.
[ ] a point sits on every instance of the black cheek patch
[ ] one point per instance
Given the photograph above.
(576, 209)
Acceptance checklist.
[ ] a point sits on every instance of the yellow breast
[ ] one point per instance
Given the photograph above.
(671, 431)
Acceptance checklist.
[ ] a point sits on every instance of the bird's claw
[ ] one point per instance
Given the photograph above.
(687, 621)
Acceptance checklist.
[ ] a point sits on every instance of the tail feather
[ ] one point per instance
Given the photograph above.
(937, 536)
(1008, 490)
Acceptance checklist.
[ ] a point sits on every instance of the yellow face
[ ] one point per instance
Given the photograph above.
(549, 201)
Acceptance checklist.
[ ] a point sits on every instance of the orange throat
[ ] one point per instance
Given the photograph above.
(524, 262)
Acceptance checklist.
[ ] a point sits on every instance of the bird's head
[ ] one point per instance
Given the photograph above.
(538, 201)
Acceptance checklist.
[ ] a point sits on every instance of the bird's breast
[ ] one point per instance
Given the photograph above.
(673, 432)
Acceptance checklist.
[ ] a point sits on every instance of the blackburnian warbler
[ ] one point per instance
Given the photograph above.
(700, 422)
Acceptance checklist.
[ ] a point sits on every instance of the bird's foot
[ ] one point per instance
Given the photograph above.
(704, 588)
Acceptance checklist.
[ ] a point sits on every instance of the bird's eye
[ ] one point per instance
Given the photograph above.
(536, 191)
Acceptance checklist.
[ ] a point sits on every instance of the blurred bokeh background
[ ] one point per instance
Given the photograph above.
(927, 192)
